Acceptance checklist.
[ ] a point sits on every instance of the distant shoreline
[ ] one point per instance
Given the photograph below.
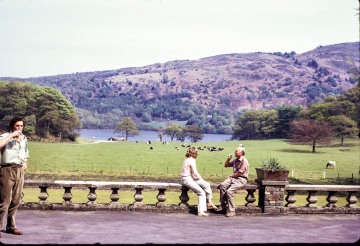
(105, 134)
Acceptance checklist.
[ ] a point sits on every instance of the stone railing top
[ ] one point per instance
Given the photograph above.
(117, 184)
(323, 187)
(111, 184)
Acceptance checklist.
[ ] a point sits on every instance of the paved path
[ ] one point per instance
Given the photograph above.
(122, 227)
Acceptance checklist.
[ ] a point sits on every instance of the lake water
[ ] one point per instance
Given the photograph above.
(104, 134)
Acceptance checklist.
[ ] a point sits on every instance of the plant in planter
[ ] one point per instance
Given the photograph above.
(272, 169)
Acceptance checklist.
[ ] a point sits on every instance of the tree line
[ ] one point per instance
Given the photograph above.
(50, 115)
(318, 124)
(129, 129)
(106, 112)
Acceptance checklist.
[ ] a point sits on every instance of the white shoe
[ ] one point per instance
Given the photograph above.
(203, 214)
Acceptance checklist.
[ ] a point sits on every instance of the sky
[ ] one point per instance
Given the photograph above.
(52, 37)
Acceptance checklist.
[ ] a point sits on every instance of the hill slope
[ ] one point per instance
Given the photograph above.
(178, 90)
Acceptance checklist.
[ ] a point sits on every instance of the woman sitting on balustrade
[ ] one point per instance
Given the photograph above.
(191, 178)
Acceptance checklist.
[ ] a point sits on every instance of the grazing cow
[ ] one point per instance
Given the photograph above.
(241, 145)
(212, 149)
(331, 164)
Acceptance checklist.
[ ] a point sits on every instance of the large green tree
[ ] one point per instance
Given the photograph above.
(343, 127)
(47, 112)
(127, 127)
(247, 125)
(256, 124)
(268, 122)
(55, 114)
(16, 99)
(285, 115)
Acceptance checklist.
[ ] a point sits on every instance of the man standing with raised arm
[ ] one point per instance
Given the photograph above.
(14, 160)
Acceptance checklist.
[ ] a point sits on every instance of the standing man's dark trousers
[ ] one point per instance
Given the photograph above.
(11, 187)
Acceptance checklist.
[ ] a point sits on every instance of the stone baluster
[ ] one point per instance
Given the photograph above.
(114, 197)
(331, 199)
(138, 196)
(250, 198)
(351, 199)
(43, 196)
(290, 198)
(312, 199)
(184, 197)
(92, 195)
(67, 196)
(161, 197)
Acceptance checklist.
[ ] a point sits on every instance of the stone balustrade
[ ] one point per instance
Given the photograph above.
(270, 198)
(330, 207)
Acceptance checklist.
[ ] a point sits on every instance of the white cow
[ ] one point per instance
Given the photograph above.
(331, 164)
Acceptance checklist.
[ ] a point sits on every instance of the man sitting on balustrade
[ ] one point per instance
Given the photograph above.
(233, 182)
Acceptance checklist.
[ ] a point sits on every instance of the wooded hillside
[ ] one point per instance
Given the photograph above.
(210, 92)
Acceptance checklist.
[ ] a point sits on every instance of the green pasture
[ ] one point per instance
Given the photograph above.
(118, 161)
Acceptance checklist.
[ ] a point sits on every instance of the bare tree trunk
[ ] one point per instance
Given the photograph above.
(313, 147)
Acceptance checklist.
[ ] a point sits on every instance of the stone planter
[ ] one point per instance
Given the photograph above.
(268, 175)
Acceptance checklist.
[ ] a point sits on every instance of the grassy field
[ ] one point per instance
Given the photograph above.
(131, 161)
(121, 161)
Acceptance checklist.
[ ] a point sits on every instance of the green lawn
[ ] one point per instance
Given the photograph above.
(131, 161)
(118, 160)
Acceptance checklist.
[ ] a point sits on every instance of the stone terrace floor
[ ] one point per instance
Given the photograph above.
(125, 227)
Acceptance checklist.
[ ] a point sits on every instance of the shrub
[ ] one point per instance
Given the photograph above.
(272, 164)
